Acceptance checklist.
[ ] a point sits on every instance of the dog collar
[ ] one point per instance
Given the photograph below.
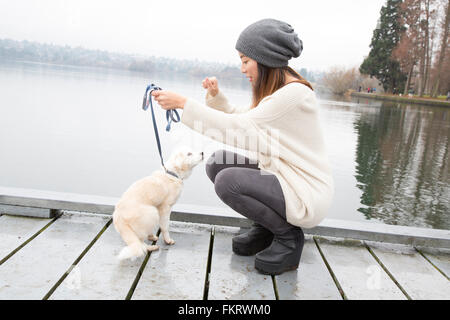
(172, 174)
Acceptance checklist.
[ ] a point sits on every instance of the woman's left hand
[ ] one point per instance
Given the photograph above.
(169, 100)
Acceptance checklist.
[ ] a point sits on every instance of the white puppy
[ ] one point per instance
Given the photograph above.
(148, 202)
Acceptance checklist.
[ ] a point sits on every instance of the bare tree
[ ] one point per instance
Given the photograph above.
(428, 14)
(340, 79)
(408, 51)
(416, 49)
(445, 25)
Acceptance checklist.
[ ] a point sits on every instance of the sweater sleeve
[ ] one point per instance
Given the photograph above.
(240, 130)
(220, 126)
(220, 102)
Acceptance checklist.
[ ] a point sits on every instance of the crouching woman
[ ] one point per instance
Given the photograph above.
(286, 184)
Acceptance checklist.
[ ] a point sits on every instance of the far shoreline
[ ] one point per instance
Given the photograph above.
(404, 99)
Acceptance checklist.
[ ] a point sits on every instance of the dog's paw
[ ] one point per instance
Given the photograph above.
(152, 238)
(152, 248)
(169, 241)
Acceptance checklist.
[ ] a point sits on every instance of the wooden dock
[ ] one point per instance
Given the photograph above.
(72, 255)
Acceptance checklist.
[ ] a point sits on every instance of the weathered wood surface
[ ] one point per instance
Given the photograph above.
(312, 280)
(234, 277)
(439, 258)
(16, 230)
(32, 271)
(357, 272)
(74, 257)
(100, 275)
(176, 271)
(414, 273)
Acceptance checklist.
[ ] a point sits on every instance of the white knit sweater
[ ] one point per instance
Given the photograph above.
(284, 134)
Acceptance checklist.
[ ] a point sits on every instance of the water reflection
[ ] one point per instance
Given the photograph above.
(402, 165)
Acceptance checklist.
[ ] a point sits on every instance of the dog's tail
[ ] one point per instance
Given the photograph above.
(136, 248)
(133, 251)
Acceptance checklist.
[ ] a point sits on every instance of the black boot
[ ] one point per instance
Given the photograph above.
(283, 254)
(250, 243)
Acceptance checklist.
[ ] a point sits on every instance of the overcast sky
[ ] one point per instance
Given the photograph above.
(334, 32)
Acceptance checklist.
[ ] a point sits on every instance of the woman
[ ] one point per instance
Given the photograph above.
(290, 187)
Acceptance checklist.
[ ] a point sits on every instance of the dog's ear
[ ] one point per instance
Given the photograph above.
(180, 163)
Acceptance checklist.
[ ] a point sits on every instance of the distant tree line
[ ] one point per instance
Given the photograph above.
(49, 53)
(410, 49)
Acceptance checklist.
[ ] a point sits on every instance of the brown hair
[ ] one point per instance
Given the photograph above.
(271, 79)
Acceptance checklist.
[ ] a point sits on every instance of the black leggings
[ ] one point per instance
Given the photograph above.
(246, 189)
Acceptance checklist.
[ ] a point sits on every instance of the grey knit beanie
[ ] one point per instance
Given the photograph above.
(270, 42)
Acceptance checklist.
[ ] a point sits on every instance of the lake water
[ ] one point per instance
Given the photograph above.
(82, 130)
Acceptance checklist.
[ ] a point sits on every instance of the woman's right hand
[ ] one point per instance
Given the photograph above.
(211, 85)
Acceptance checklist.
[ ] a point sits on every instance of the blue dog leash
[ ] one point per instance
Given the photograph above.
(169, 117)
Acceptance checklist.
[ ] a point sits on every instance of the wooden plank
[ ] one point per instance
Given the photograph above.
(56, 200)
(311, 281)
(439, 257)
(14, 230)
(27, 211)
(32, 271)
(234, 277)
(100, 275)
(356, 270)
(381, 232)
(177, 271)
(414, 273)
